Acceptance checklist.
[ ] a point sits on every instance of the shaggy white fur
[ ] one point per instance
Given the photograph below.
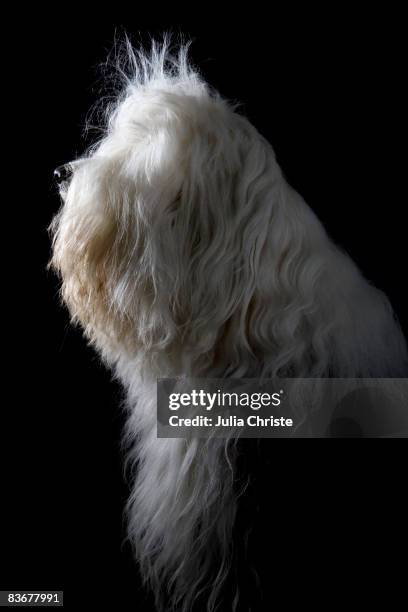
(184, 252)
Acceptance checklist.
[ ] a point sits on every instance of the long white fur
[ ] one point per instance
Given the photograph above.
(184, 252)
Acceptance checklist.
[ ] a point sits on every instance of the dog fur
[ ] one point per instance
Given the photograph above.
(184, 252)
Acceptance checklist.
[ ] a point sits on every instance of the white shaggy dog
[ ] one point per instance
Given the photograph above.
(184, 252)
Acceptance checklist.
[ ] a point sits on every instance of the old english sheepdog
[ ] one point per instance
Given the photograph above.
(184, 252)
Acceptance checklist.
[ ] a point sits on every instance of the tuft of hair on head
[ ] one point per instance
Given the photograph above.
(129, 69)
(165, 60)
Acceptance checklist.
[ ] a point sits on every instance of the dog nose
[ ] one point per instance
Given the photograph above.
(61, 173)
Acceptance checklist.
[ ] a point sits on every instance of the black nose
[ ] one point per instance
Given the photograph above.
(61, 173)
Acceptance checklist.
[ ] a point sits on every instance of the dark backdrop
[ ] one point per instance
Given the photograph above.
(327, 91)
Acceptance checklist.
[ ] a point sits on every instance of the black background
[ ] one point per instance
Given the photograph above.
(327, 90)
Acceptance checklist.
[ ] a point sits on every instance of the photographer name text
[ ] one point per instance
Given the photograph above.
(230, 421)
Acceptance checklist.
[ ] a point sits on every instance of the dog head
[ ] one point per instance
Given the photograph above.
(160, 242)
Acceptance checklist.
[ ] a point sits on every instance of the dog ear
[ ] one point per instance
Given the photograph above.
(207, 240)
